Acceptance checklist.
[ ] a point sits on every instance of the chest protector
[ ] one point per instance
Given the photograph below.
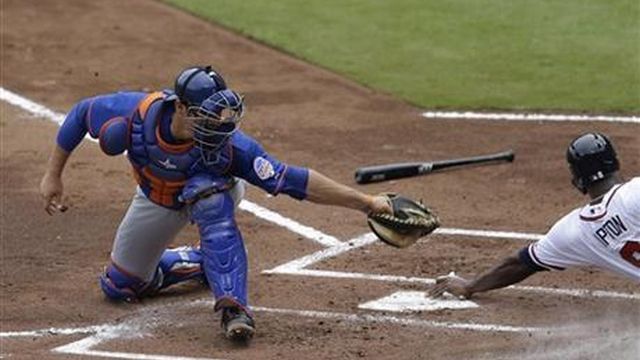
(160, 168)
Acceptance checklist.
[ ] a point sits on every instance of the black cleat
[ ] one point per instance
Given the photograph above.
(237, 325)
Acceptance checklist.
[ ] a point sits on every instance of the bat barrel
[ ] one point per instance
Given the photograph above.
(503, 156)
(378, 173)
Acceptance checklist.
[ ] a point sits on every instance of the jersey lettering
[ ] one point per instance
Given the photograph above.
(612, 228)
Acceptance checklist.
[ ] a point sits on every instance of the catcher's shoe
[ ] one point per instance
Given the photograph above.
(237, 324)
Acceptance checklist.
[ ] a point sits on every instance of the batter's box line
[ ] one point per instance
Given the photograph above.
(141, 324)
(298, 267)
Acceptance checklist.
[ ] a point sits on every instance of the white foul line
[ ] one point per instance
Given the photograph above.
(289, 224)
(470, 115)
(30, 106)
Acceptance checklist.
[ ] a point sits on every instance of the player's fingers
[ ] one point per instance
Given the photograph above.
(442, 279)
(54, 205)
(50, 208)
(437, 290)
(46, 199)
(445, 278)
(59, 205)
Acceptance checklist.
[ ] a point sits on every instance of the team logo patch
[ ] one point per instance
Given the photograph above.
(263, 168)
(168, 164)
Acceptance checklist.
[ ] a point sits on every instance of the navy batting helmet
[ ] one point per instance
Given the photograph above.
(194, 84)
(591, 158)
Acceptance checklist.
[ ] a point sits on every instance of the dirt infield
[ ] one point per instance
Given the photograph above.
(56, 52)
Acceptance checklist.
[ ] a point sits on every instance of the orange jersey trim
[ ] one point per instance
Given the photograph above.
(172, 148)
(143, 107)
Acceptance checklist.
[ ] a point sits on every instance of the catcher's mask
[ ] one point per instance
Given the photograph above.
(215, 120)
(591, 158)
(195, 84)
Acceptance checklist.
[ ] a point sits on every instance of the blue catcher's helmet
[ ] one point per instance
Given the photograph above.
(216, 119)
(591, 158)
(194, 84)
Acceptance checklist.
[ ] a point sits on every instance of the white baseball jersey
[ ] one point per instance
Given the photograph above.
(605, 233)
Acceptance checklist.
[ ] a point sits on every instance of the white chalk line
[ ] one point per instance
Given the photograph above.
(30, 106)
(370, 238)
(137, 326)
(56, 331)
(83, 348)
(581, 293)
(298, 267)
(471, 115)
(323, 254)
(490, 234)
(289, 224)
(376, 318)
(397, 320)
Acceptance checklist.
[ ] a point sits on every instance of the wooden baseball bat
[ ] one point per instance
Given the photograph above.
(369, 174)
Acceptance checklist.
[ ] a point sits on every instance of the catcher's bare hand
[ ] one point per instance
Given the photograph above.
(380, 204)
(453, 284)
(51, 189)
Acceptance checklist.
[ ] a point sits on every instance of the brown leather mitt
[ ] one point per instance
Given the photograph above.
(410, 221)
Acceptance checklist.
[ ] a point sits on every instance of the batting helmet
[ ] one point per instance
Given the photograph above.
(194, 84)
(591, 158)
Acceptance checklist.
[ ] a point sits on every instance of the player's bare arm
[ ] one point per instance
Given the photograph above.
(51, 187)
(510, 271)
(323, 190)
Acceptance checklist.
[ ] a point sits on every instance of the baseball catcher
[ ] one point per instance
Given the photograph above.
(191, 163)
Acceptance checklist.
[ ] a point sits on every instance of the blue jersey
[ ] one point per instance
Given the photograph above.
(161, 164)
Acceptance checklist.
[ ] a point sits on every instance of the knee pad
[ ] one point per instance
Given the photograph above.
(224, 255)
(116, 284)
(180, 264)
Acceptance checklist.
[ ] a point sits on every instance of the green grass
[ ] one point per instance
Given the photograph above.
(472, 54)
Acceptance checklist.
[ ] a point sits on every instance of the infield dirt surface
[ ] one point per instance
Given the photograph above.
(57, 52)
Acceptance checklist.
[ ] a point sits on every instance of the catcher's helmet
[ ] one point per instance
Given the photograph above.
(216, 119)
(591, 158)
(194, 84)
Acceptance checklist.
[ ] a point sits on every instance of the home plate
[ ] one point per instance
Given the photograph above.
(408, 301)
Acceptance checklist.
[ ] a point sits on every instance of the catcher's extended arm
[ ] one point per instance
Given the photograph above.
(409, 222)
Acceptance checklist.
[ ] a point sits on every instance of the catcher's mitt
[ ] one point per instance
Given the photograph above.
(410, 221)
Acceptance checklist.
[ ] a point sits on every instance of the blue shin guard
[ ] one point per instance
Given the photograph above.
(224, 255)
